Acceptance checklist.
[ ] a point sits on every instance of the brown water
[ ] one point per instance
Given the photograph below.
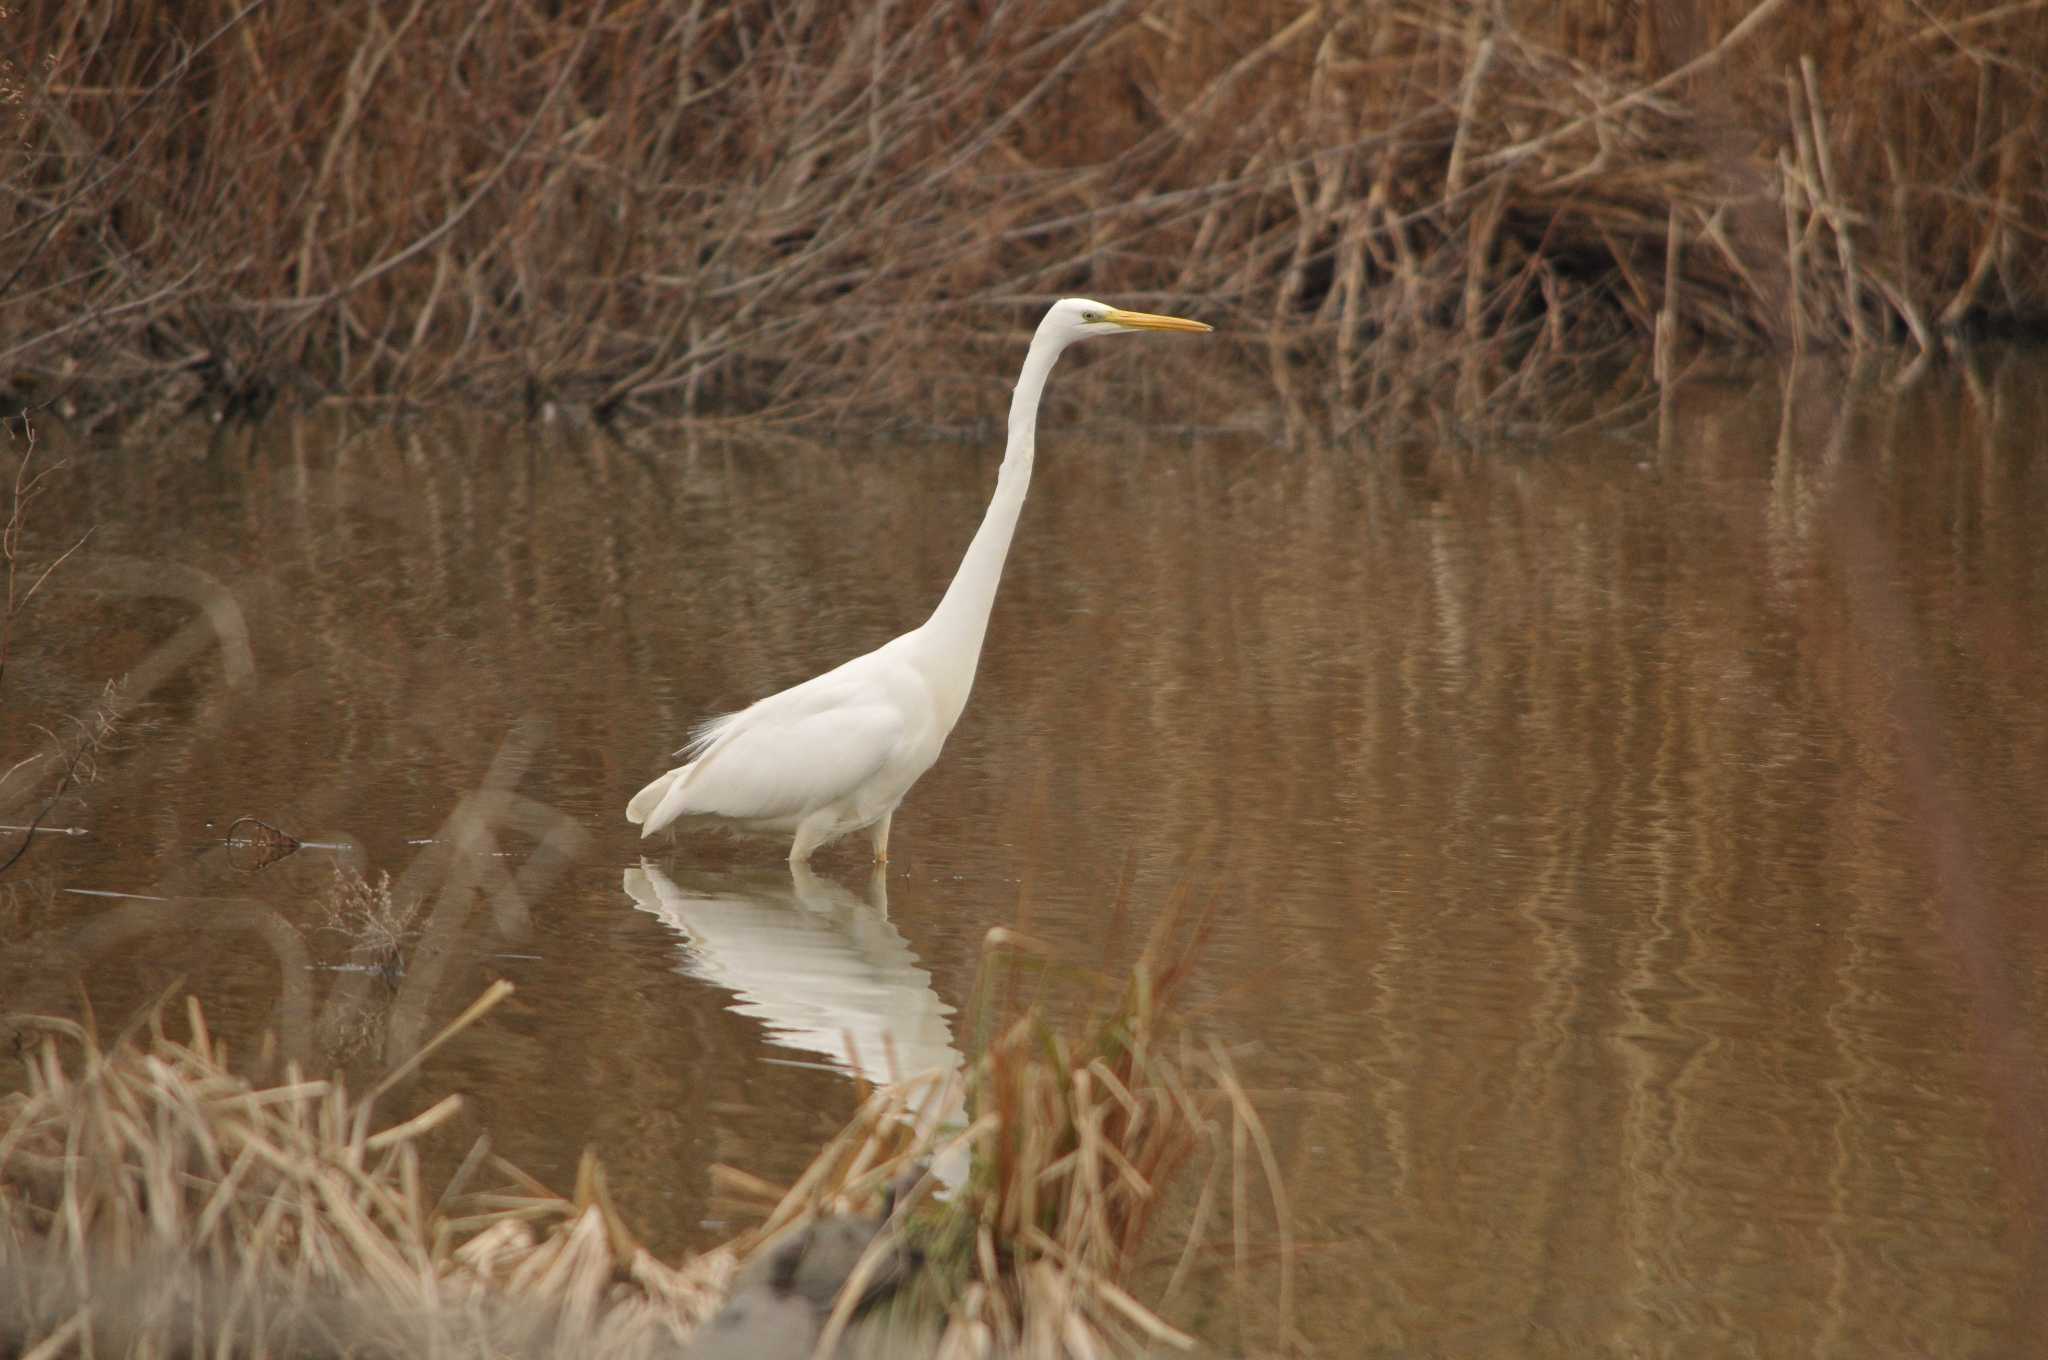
(1628, 854)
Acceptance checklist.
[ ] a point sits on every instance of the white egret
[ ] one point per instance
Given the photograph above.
(838, 752)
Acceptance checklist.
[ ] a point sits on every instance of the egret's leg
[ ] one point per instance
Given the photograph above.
(879, 834)
(810, 834)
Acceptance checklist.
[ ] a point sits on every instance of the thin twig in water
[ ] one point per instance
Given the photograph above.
(72, 759)
(27, 487)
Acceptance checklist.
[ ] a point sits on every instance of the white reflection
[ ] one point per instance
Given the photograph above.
(823, 971)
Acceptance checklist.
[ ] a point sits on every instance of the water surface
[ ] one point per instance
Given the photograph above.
(1627, 853)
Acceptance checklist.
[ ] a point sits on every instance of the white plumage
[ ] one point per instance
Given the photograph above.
(826, 974)
(838, 752)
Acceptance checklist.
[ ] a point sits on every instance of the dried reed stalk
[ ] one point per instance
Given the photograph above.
(804, 211)
(1076, 1142)
(152, 1201)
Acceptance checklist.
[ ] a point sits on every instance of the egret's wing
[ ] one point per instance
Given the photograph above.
(847, 683)
(782, 763)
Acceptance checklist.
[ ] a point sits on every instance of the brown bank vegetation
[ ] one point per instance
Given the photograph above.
(159, 1196)
(804, 210)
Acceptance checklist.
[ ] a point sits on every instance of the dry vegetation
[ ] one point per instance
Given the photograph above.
(1075, 1142)
(34, 786)
(152, 1201)
(794, 209)
(155, 1198)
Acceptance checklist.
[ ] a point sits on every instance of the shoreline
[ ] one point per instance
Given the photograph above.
(657, 216)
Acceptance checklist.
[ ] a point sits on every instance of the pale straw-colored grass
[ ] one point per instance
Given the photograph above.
(152, 1201)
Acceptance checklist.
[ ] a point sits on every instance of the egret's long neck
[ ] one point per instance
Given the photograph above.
(952, 636)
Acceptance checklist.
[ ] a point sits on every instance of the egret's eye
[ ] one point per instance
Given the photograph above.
(1091, 316)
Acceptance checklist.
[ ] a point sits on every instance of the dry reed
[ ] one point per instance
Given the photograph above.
(152, 1201)
(793, 210)
(1075, 1141)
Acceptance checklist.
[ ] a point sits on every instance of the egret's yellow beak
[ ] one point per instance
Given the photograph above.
(1146, 321)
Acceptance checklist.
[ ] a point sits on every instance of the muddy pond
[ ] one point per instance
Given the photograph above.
(1627, 854)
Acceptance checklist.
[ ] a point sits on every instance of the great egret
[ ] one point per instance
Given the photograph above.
(837, 753)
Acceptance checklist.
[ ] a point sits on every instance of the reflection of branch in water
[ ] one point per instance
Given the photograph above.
(459, 868)
(20, 900)
(822, 970)
(72, 754)
(428, 909)
(27, 487)
(377, 926)
(88, 732)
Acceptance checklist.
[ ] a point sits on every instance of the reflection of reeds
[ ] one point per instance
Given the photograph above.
(41, 779)
(798, 210)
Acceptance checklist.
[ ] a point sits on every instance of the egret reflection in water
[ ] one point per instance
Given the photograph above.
(823, 970)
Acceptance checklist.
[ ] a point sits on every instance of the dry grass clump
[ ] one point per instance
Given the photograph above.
(376, 924)
(151, 1202)
(1078, 1144)
(703, 207)
(795, 210)
(34, 787)
(1469, 201)
(1081, 1138)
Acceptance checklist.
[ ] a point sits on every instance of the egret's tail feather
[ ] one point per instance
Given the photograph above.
(705, 733)
(649, 798)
